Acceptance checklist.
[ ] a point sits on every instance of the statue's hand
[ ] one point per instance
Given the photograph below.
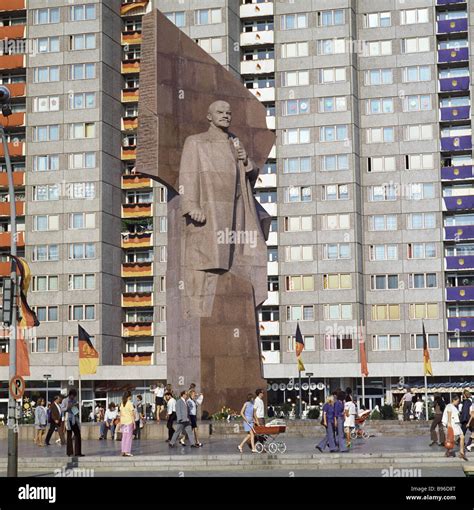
(197, 215)
(242, 154)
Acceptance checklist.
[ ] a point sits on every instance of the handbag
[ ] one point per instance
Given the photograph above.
(449, 443)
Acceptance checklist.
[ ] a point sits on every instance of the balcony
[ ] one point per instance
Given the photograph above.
(16, 149)
(459, 233)
(129, 153)
(256, 10)
(262, 66)
(264, 94)
(131, 67)
(453, 55)
(5, 208)
(14, 120)
(5, 269)
(454, 84)
(257, 37)
(459, 293)
(271, 208)
(459, 203)
(461, 323)
(137, 240)
(13, 32)
(450, 26)
(18, 179)
(272, 239)
(272, 268)
(456, 172)
(131, 329)
(12, 5)
(135, 182)
(137, 299)
(460, 262)
(12, 61)
(134, 269)
(456, 143)
(269, 328)
(271, 122)
(272, 299)
(266, 181)
(448, 2)
(132, 38)
(137, 210)
(130, 96)
(271, 357)
(455, 113)
(130, 124)
(134, 8)
(5, 239)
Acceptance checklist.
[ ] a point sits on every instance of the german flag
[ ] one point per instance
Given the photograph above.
(428, 370)
(28, 317)
(88, 355)
(299, 347)
(136, 358)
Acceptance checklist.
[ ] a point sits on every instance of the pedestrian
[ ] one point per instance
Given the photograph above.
(259, 405)
(159, 400)
(339, 417)
(418, 408)
(439, 405)
(328, 423)
(248, 414)
(72, 425)
(127, 423)
(41, 420)
(454, 432)
(349, 420)
(183, 421)
(406, 404)
(171, 414)
(55, 421)
(139, 417)
(271, 412)
(109, 422)
(470, 429)
(193, 402)
(465, 411)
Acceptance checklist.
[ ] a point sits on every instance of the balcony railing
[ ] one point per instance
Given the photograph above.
(130, 96)
(456, 143)
(459, 233)
(256, 10)
(129, 153)
(453, 55)
(131, 329)
(460, 262)
(453, 84)
(15, 149)
(131, 67)
(134, 7)
(130, 124)
(132, 38)
(449, 26)
(455, 113)
(459, 293)
(135, 269)
(456, 172)
(257, 37)
(447, 2)
(18, 179)
(14, 120)
(461, 323)
(260, 66)
(137, 210)
(12, 61)
(137, 240)
(13, 32)
(5, 239)
(5, 208)
(264, 94)
(459, 203)
(137, 299)
(135, 182)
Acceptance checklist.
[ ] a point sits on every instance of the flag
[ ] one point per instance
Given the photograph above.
(428, 370)
(136, 358)
(88, 355)
(22, 356)
(364, 369)
(28, 316)
(299, 346)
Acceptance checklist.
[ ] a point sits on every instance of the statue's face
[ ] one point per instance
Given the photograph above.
(220, 114)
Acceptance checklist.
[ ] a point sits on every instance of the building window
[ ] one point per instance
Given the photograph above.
(295, 49)
(83, 12)
(46, 192)
(82, 42)
(414, 16)
(421, 250)
(336, 251)
(298, 223)
(332, 104)
(416, 74)
(333, 133)
(341, 312)
(46, 104)
(383, 193)
(385, 312)
(331, 18)
(380, 135)
(296, 165)
(46, 16)
(46, 313)
(208, 16)
(211, 44)
(386, 342)
(424, 310)
(45, 252)
(80, 130)
(46, 74)
(82, 160)
(45, 222)
(294, 21)
(379, 77)
(379, 105)
(421, 190)
(46, 44)
(337, 281)
(45, 283)
(82, 312)
(416, 341)
(331, 46)
(82, 100)
(73, 344)
(335, 192)
(381, 164)
(46, 133)
(422, 281)
(334, 162)
(384, 282)
(81, 220)
(377, 20)
(338, 342)
(418, 132)
(379, 222)
(415, 44)
(299, 283)
(296, 107)
(81, 190)
(298, 194)
(80, 251)
(332, 75)
(296, 136)
(336, 221)
(294, 78)
(162, 344)
(82, 71)
(421, 220)
(378, 48)
(309, 343)
(299, 252)
(178, 18)
(417, 103)
(419, 161)
(299, 313)
(46, 163)
(81, 281)
(44, 344)
(383, 252)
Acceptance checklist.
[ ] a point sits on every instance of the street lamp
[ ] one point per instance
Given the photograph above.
(309, 374)
(47, 377)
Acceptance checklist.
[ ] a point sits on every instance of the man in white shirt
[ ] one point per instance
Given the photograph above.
(451, 421)
(259, 406)
(171, 413)
(406, 403)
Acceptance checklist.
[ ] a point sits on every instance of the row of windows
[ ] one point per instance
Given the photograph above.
(53, 14)
(76, 101)
(48, 74)
(75, 191)
(75, 131)
(75, 42)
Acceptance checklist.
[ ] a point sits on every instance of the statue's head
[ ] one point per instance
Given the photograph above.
(220, 114)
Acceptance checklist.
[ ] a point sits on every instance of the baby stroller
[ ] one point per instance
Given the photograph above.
(265, 439)
(359, 432)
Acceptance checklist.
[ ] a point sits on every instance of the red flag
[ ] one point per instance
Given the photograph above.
(22, 356)
(364, 370)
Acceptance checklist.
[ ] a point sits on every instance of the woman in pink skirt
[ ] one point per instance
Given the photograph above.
(127, 423)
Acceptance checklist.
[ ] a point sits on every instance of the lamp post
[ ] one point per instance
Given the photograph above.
(47, 377)
(309, 374)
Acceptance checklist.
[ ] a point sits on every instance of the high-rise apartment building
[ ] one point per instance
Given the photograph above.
(369, 185)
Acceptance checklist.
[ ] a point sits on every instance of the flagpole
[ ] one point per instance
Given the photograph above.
(300, 404)
(80, 399)
(425, 339)
(426, 396)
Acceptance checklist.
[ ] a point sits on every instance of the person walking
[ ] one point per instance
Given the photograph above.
(465, 411)
(328, 423)
(349, 418)
(259, 408)
(41, 420)
(453, 425)
(127, 423)
(159, 400)
(109, 422)
(139, 417)
(470, 429)
(248, 414)
(72, 425)
(171, 414)
(193, 402)
(419, 408)
(55, 421)
(183, 422)
(406, 404)
(339, 416)
(439, 405)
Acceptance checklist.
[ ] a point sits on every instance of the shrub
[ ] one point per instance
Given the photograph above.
(313, 414)
(375, 415)
(388, 412)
